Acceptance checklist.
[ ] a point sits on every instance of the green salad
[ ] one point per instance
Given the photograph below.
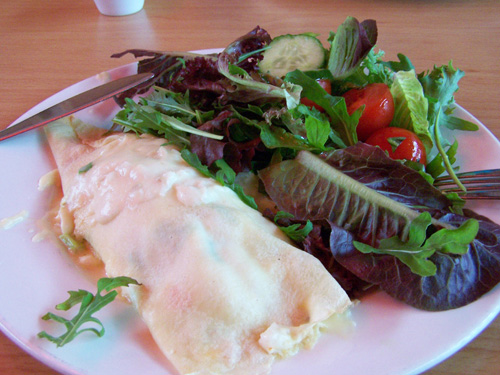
(345, 146)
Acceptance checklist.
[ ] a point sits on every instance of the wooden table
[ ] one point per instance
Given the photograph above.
(49, 45)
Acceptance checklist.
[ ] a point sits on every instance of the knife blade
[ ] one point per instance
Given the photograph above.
(76, 103)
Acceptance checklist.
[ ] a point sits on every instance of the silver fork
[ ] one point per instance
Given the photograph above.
(484, 184)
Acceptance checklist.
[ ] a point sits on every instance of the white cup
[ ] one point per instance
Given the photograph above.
(119, 7)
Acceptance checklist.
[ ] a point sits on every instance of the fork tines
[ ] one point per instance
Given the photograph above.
(483, 184)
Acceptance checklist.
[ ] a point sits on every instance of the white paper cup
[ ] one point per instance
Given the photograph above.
(119, 7)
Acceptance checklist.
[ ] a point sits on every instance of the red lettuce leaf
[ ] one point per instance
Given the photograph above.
(254, 40)
(317, 243)
(459, 280)
(350, 45)
(199, 74)
(238, 154)
(178, 72)
(370, 166)
(307, 190)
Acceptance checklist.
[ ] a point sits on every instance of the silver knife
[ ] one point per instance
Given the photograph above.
(76, 103)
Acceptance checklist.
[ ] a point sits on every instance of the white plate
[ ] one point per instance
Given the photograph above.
(390, 338)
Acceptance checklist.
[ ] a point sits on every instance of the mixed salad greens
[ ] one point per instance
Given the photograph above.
(344, 148)
(289, 111)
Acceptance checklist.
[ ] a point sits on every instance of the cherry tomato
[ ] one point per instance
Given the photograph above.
(399, 144)
(327, 86)
(379, 107)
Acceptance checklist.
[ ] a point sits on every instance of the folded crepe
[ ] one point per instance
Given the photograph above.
(222, 290)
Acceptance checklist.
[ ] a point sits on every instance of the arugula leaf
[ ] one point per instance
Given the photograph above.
(193, 160)
(416, 251)
(404, 63)
(371, 70)
(296, 232)
(162, 113)
(224, 175)
(411, 106)
(436, 166)
(447, 161)
(172, 103)
(89, 305)
(277, 137)
(439, 87)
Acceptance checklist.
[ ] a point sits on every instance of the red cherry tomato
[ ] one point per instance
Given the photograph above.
(327, 85)
(379, 107)
(399, 144)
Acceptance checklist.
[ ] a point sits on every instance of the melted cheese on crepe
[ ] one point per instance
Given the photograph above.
(223, 291)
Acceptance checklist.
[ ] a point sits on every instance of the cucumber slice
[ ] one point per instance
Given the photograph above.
(289, 52)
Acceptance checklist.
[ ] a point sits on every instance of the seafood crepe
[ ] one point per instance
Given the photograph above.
(222, 289)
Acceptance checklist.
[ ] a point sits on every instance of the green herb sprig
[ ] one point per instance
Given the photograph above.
(224, 175)
(89, 304)
(296, 232)
(415, 252)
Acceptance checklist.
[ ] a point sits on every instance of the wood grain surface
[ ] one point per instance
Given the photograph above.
(49, 45)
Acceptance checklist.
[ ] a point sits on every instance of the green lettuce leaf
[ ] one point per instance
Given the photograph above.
(162, 113)
(411, 106)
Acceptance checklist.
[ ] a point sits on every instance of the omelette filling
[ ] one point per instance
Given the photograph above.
(222, 290)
